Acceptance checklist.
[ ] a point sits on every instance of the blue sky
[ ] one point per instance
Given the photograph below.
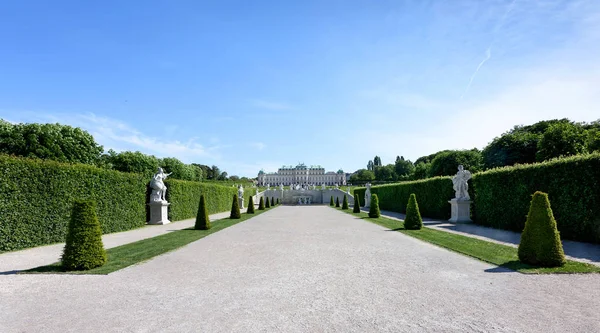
(250, 85)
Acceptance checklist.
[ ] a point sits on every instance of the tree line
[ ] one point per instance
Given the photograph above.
(68, 144)
(539, 142)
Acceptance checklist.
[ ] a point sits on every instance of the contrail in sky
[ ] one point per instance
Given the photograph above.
(488, 51)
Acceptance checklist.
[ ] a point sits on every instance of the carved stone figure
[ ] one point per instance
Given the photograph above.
(281, 186)
(241, 196)
(159, 190)
(368, 195)
(460, 185)
(323, 186)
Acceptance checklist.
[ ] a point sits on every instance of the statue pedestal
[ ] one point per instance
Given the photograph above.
(241, 202)
(460, 211)
(159, 212)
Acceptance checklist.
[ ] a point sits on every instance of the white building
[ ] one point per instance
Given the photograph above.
(301, 174)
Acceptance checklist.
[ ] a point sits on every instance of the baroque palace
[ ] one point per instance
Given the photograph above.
(301, 174)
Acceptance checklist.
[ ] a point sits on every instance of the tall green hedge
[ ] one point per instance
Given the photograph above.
(503, 196)
(36, 197)
(433, 194)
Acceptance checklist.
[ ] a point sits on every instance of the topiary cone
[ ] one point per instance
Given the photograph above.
(540, 241)
(261, 204)
(267, 203)
(272, 201)
(250, 209)
(337, 202)
(331, 201)
(374, 210)
(84, 248)
(202, 221)
(345, 202)
(277, 201)
(356, 208)
(413, 220)
(235, 208)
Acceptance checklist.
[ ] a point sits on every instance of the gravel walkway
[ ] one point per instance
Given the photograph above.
(303, 269)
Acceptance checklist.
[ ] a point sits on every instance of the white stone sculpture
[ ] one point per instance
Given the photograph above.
(348, 189)
(368, 195)
(159, 190)
(323, 186)
(336, 186)
(268, 187)
(241, 196)
(281, 186)
(460, 185)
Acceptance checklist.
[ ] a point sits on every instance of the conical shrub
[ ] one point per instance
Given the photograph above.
(356, 208)
(272, 202)
(84, 248)
(540, 241)
(261, 203)
(250, 209)
(267, 203)
(337, 202)
(331, 201)
(413, 220)
(202, 221)
(345, 202)
(374, 209)
(235, 208)
(278, 201)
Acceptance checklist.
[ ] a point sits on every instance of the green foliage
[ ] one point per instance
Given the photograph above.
(331, 203)
(356, 208)
(56, 142)
(403, 167)
(250, 209)
(261, 204)
(433, 194)
(562, 139)
(593, 140)
(421, 170)
(135, 162)
(374, 209)
(362, 175)
(345, 202)
(413, 220)
(181, 170)
(511, 148)
(272, 202)
(267, 203)
(83, 249)
(235, 208)
(540, 241)
(337, 202)
(278, 201)
(446, 163)
(502, 195)
(202, 220)
(385, 173)
(184, 197)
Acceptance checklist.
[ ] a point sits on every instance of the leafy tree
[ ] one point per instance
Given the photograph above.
(215, 172)
(222, 176)
(202, 220)
(235, 208)
(403, 167)
(345, 202)
(413, 220)
(562, 139)
(374, 209)
(261, 204)
(593, 140)
(84, 248)
(234, 178)
(370, 166)
(137, 162)
(385, 173)
(250, 209)
(421, 170)
(356, 208)
(57, 142)
(511, 148)
(377, 161)
(178, 169)
(362, 175)
(540, 240)
(446, 163)
(429, 158)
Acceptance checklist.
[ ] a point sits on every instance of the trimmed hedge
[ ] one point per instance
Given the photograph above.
(503, 195)
(36, 197)
(433, 194)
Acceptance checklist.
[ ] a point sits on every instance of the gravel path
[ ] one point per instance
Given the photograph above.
(303, 269)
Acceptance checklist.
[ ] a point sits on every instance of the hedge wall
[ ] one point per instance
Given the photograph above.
(432, 195)
(36, 198)
(502, 196)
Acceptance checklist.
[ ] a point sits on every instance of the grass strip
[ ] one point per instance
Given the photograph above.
(498, 254)
(133, 253)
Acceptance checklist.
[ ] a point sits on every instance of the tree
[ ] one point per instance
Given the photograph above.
(593, 140)
(234, 178)
(261, 204)
(413, 220)
(362, 175)
(250, 209)
(511, 148)
(345, 202)
(385, 173)
(337, 202)
(56, 142)
(562, 139)
(403, 167)
(374, 209)
(421, 170)
(137, 162)
(215, 172)
(178, 169)
(235, 208)
(445, 164)
(540, 241)
(377, 162)
(370, 166)
(202, 220)
(222, 176)
(356, 208)
(84, 248)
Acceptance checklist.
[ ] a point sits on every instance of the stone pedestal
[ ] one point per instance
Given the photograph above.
(241, 202)
(460, 211)
(159, 212)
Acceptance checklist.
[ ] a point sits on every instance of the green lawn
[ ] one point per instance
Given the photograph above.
(133, 253)
(497, 254)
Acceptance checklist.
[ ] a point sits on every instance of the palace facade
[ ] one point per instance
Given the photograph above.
(302, 174)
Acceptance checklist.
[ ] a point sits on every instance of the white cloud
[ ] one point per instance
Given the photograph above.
(258, 145)
(270, 105)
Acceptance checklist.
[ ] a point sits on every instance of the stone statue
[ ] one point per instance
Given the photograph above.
(281, 186)
(323, 186)
(268, 187)
(368, 195)
(241, 196)
(336, 186)
(159, 190)
(459, 183)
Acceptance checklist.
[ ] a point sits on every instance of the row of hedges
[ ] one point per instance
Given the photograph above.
(432, 194)
(36, 198)
(502, 196)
